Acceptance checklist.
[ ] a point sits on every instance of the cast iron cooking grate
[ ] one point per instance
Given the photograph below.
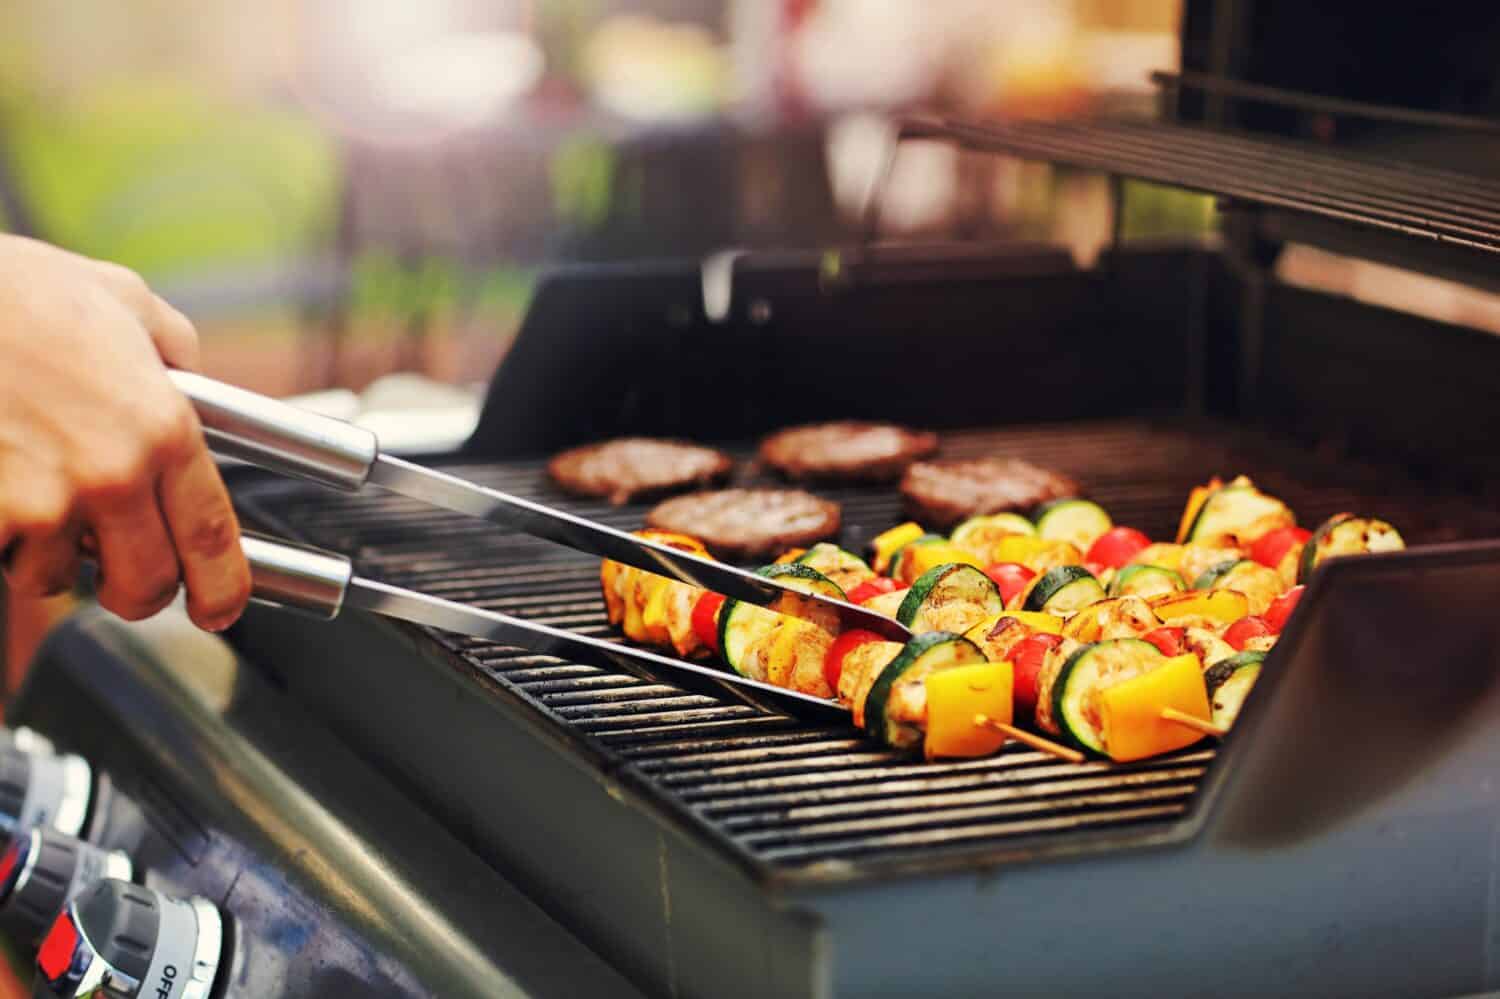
(787, 794)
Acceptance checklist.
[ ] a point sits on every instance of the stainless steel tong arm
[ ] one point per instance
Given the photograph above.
(285, 439)
(321, 584)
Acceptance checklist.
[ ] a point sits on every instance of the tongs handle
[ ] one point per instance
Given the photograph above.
(298, 578)
(278, 436)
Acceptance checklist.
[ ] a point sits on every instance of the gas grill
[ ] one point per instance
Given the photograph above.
(1341, 840)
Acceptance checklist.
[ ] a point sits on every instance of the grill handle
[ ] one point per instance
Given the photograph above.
(297, 578)
(280, 437)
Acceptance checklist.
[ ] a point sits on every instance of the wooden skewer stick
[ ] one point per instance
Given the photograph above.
(1193, 722)
(1034, 741)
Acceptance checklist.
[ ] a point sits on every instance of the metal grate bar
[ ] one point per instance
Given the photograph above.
(909, 843)
(897, 795)
(788, 830)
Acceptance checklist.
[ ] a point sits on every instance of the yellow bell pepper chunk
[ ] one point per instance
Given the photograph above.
(631, 581)
(783, 655)
(1020, 548)
(1038, 621)
(609, 574)
(1035, 620)
(955, 696)
(791, 555)
(892, 541)
(654, 614)
(1131, 711)
(924, 557)
(1088, 624)
(1162, 554)
(1222, 606)
(1196, 499)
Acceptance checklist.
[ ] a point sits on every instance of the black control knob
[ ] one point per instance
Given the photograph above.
(42, 871)
(123, 940)
(40, 789)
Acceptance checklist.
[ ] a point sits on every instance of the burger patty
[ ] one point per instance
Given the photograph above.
(944, 493)
(748, 524)
(846, 450)
(630, 467)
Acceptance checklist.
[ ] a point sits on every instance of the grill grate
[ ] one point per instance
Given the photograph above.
(784, 793)
(1444, 205)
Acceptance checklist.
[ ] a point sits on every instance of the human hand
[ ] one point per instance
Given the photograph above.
(98, 449)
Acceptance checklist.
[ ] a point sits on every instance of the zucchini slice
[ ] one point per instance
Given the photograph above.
(1229, 682)
(1346, 534)
(896, 704)
(1075, 703)
(1236, 513)
(745, 629)
(1063, 589)
(1146, 581)
(952, 597)
(1213, 574)
(979, 535)
(844, 568)
(1076, 521)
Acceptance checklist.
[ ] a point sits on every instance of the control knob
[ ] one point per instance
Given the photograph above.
(42, 871)
(41, 789)
(124, 941)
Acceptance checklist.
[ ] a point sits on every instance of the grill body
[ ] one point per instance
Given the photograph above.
(706, 847)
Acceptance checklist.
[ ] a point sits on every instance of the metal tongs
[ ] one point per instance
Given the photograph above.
(287, 440)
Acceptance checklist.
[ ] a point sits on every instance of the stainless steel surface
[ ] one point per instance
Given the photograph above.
(28, 741)
(58, 792)
(207, 949)
(298, 578)
(537, 519)
(407, 605)
(77, 786)
(279, 437)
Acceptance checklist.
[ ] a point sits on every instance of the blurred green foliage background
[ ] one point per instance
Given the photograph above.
(167, 181)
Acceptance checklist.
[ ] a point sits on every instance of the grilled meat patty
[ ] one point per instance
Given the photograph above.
(747, 524)
(847, 450)
(943, 493)
(630, 467)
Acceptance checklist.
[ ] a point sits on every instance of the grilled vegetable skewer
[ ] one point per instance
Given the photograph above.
(1137, 650)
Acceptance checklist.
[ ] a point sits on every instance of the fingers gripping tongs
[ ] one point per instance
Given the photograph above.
(287, 440)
